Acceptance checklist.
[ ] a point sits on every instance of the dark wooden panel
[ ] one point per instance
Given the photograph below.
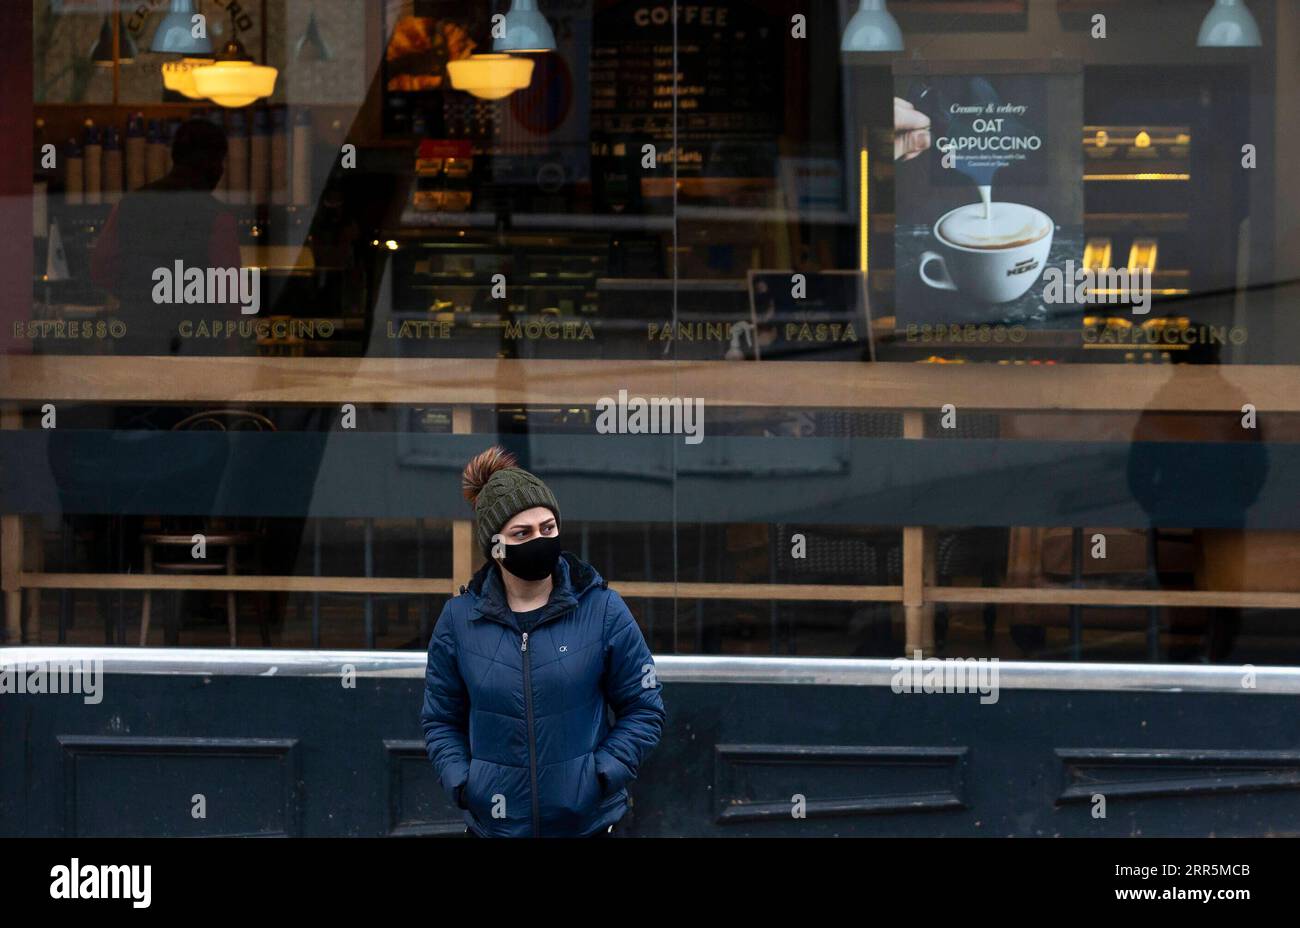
(870, 762)
(1136, 774)
(145, 786)
(417, 804)
(756, 782)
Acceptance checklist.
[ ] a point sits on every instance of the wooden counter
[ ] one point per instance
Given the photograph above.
(1048, 388)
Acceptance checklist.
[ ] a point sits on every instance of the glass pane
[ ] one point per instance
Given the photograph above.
(893, 423)
(961, 476)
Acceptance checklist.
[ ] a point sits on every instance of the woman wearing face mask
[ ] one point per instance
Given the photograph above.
(526, 665)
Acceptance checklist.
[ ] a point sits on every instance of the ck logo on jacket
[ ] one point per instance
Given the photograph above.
(520, 736)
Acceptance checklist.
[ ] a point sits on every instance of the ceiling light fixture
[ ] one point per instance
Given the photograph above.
(490, 77)
(234, 79)
(1229, 24)
(311, 45)
(526, 30)
(175, 34)
(872, 29)
(101, 53)
(179, 76)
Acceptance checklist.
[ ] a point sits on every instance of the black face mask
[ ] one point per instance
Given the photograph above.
(532, 560)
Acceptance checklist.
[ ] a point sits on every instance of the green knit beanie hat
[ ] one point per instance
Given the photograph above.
(499, 490)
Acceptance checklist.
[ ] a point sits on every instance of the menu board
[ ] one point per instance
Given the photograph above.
(728, 85)
(989, 191)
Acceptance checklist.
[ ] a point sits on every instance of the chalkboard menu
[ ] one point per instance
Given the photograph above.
(729, 85)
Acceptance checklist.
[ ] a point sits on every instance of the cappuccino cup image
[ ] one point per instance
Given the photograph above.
(994, 259)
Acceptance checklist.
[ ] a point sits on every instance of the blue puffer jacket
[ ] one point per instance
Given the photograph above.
(520, 721)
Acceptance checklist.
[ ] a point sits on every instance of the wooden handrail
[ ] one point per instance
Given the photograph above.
(488, 382)
(639, 589)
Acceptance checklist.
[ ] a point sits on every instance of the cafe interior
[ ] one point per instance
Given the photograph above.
(452, 224)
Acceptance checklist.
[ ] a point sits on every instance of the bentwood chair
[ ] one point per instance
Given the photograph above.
(227, 536)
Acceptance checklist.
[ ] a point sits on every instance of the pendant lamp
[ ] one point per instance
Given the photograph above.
(175, 34)
(872, 29)
(526, 30)
(234, 79)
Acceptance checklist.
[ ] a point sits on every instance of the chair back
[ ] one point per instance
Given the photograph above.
(225, 420)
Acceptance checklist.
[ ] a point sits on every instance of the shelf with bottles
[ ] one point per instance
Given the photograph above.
(100, 152)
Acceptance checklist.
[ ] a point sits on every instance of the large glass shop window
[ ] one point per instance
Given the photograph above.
(837, 329)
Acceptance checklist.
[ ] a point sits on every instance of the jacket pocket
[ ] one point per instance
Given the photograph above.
(603, 789)
(590, 793)
(618, 774)
(606, 788)
(470, 795)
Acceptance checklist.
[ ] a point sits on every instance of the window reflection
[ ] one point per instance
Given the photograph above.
(989, 320)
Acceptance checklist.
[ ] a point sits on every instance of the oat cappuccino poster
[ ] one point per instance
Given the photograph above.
(988, 190)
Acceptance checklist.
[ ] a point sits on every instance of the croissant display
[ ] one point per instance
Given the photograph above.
(419, 49)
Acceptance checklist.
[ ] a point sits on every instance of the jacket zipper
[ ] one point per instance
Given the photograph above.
(532, 740)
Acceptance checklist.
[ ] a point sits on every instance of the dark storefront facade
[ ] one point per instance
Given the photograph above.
(856, 341)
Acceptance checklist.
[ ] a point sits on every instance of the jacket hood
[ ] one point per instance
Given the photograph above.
(573, 578)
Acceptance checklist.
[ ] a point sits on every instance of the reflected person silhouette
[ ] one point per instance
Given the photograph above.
(175, 218)
(1153, 475)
